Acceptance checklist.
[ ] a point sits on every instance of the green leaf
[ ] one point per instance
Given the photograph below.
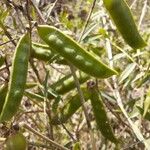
(129, 69)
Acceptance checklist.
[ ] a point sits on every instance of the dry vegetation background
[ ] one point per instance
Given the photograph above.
(97, 34)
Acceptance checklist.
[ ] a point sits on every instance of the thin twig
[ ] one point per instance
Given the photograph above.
(7, 66)
(1, 44)
(87, 20)
(82, 99)
(38, 12)
(33, 111)
(30, 31)
(72, 68)
(143, 13)
(128, 147)
(21, 22)
(133, 3)
(7, 33)
(68, 132)
(47, 107)
(118, 117)
(57, 69)
(50, 11)
(43, 137)
(37, 144)
(35, 71)
(10, 38)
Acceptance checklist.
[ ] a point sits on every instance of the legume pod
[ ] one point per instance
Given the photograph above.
(123, 19)
(61, 87)
(67, 83)
(74, 53)
(41, 52)
(45, 53)
(17, 79)
(69, 108)
(100, 113)
(4, 90)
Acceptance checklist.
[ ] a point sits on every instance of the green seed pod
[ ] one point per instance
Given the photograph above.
(67, 83)
(123, 19)
(69, 108)
(42, 52)
(74, 53)
(100, 113)
(45, 53)
(17, 79)
(4, 90)
(16, 142)
(61, 87)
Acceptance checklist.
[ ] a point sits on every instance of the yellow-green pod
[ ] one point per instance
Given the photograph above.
(45, 53)
(18, 78)
(73, 52)
(16, 142)
(123, 19)
(69, 108)
(67, 83)
(100, 113)
(62, 86)
(42, 52)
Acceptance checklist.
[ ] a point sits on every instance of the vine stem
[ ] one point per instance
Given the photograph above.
(82, 99)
